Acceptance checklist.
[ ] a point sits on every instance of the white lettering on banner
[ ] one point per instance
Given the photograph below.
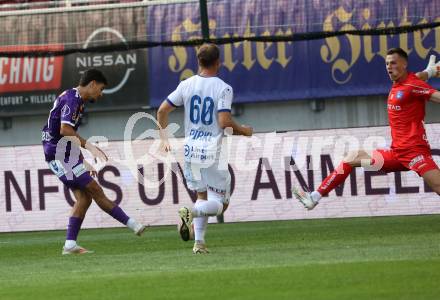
(32, 197)
(21, 69)
(14, 70)
(126, 60)
(106, 60)
(12, 100)
(3, 62)
(33, 99)
(48, 98)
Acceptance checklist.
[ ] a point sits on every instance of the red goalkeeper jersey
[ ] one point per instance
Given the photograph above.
(406, 114)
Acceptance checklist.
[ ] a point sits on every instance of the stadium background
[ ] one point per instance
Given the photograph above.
(290, 67)
(308, 75)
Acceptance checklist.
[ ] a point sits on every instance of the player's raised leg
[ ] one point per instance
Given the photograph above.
(432, 178)
(185, 226)
(96, 192)
(338, 176)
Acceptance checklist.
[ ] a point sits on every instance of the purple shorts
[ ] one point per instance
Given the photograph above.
(76, 177)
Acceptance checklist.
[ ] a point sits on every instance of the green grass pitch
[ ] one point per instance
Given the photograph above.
(359, 258)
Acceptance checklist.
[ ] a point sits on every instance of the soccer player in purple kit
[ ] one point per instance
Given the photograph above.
(72, 170)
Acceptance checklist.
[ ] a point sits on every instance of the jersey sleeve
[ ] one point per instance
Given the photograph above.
(176, 97)
(69, 111)
(225, 101)
(422, 90)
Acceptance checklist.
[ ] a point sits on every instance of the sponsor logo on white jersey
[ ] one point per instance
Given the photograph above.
(198, 134)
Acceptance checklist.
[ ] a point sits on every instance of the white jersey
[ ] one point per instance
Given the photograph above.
(203, 98)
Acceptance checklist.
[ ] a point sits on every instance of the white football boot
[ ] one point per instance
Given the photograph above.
(77, 249)
(200, 249)
(139, 229)
(305, 198)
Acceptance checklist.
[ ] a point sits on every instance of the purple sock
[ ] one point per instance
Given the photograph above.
(73, 228)
(119, 215)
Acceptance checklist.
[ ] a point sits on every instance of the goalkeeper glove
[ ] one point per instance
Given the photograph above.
(433, 68)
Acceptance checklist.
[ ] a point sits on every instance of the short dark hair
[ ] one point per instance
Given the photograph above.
(398, 51)
(90, 75)
(207, 55)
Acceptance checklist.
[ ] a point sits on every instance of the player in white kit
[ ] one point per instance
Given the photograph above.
(207, 102)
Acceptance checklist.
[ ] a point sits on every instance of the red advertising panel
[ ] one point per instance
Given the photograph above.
(24, 74)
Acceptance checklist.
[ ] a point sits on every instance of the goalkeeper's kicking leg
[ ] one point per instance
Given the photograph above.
(410, 150)
(337, 177)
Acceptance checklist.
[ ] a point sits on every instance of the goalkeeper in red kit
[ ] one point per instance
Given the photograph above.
(410, 148)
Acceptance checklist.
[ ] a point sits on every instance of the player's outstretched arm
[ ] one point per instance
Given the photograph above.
(435, 97)
(225, 120)
(432, 70)
(162, 118)
(67, 130)
(90, 168)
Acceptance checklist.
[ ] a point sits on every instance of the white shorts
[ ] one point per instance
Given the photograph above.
(201, 179)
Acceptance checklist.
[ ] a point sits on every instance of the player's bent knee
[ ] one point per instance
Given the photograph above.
(354, 158)
(202, 195)
(222, 198)
(436, 189)
(432, 178)
(351, 156)
(81, 206)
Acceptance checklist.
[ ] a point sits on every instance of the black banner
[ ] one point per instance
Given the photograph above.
(29, 85)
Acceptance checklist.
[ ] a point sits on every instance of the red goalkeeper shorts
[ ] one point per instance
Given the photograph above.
(419, 162)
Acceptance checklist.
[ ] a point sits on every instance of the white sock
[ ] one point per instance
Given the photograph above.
(204, 208)
(132, 224)
(200, 224)
(316, 196)
(69, 244)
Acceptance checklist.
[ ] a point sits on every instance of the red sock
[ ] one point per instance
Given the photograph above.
(337, 177)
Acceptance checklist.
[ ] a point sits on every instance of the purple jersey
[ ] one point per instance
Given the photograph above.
(67, 109)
